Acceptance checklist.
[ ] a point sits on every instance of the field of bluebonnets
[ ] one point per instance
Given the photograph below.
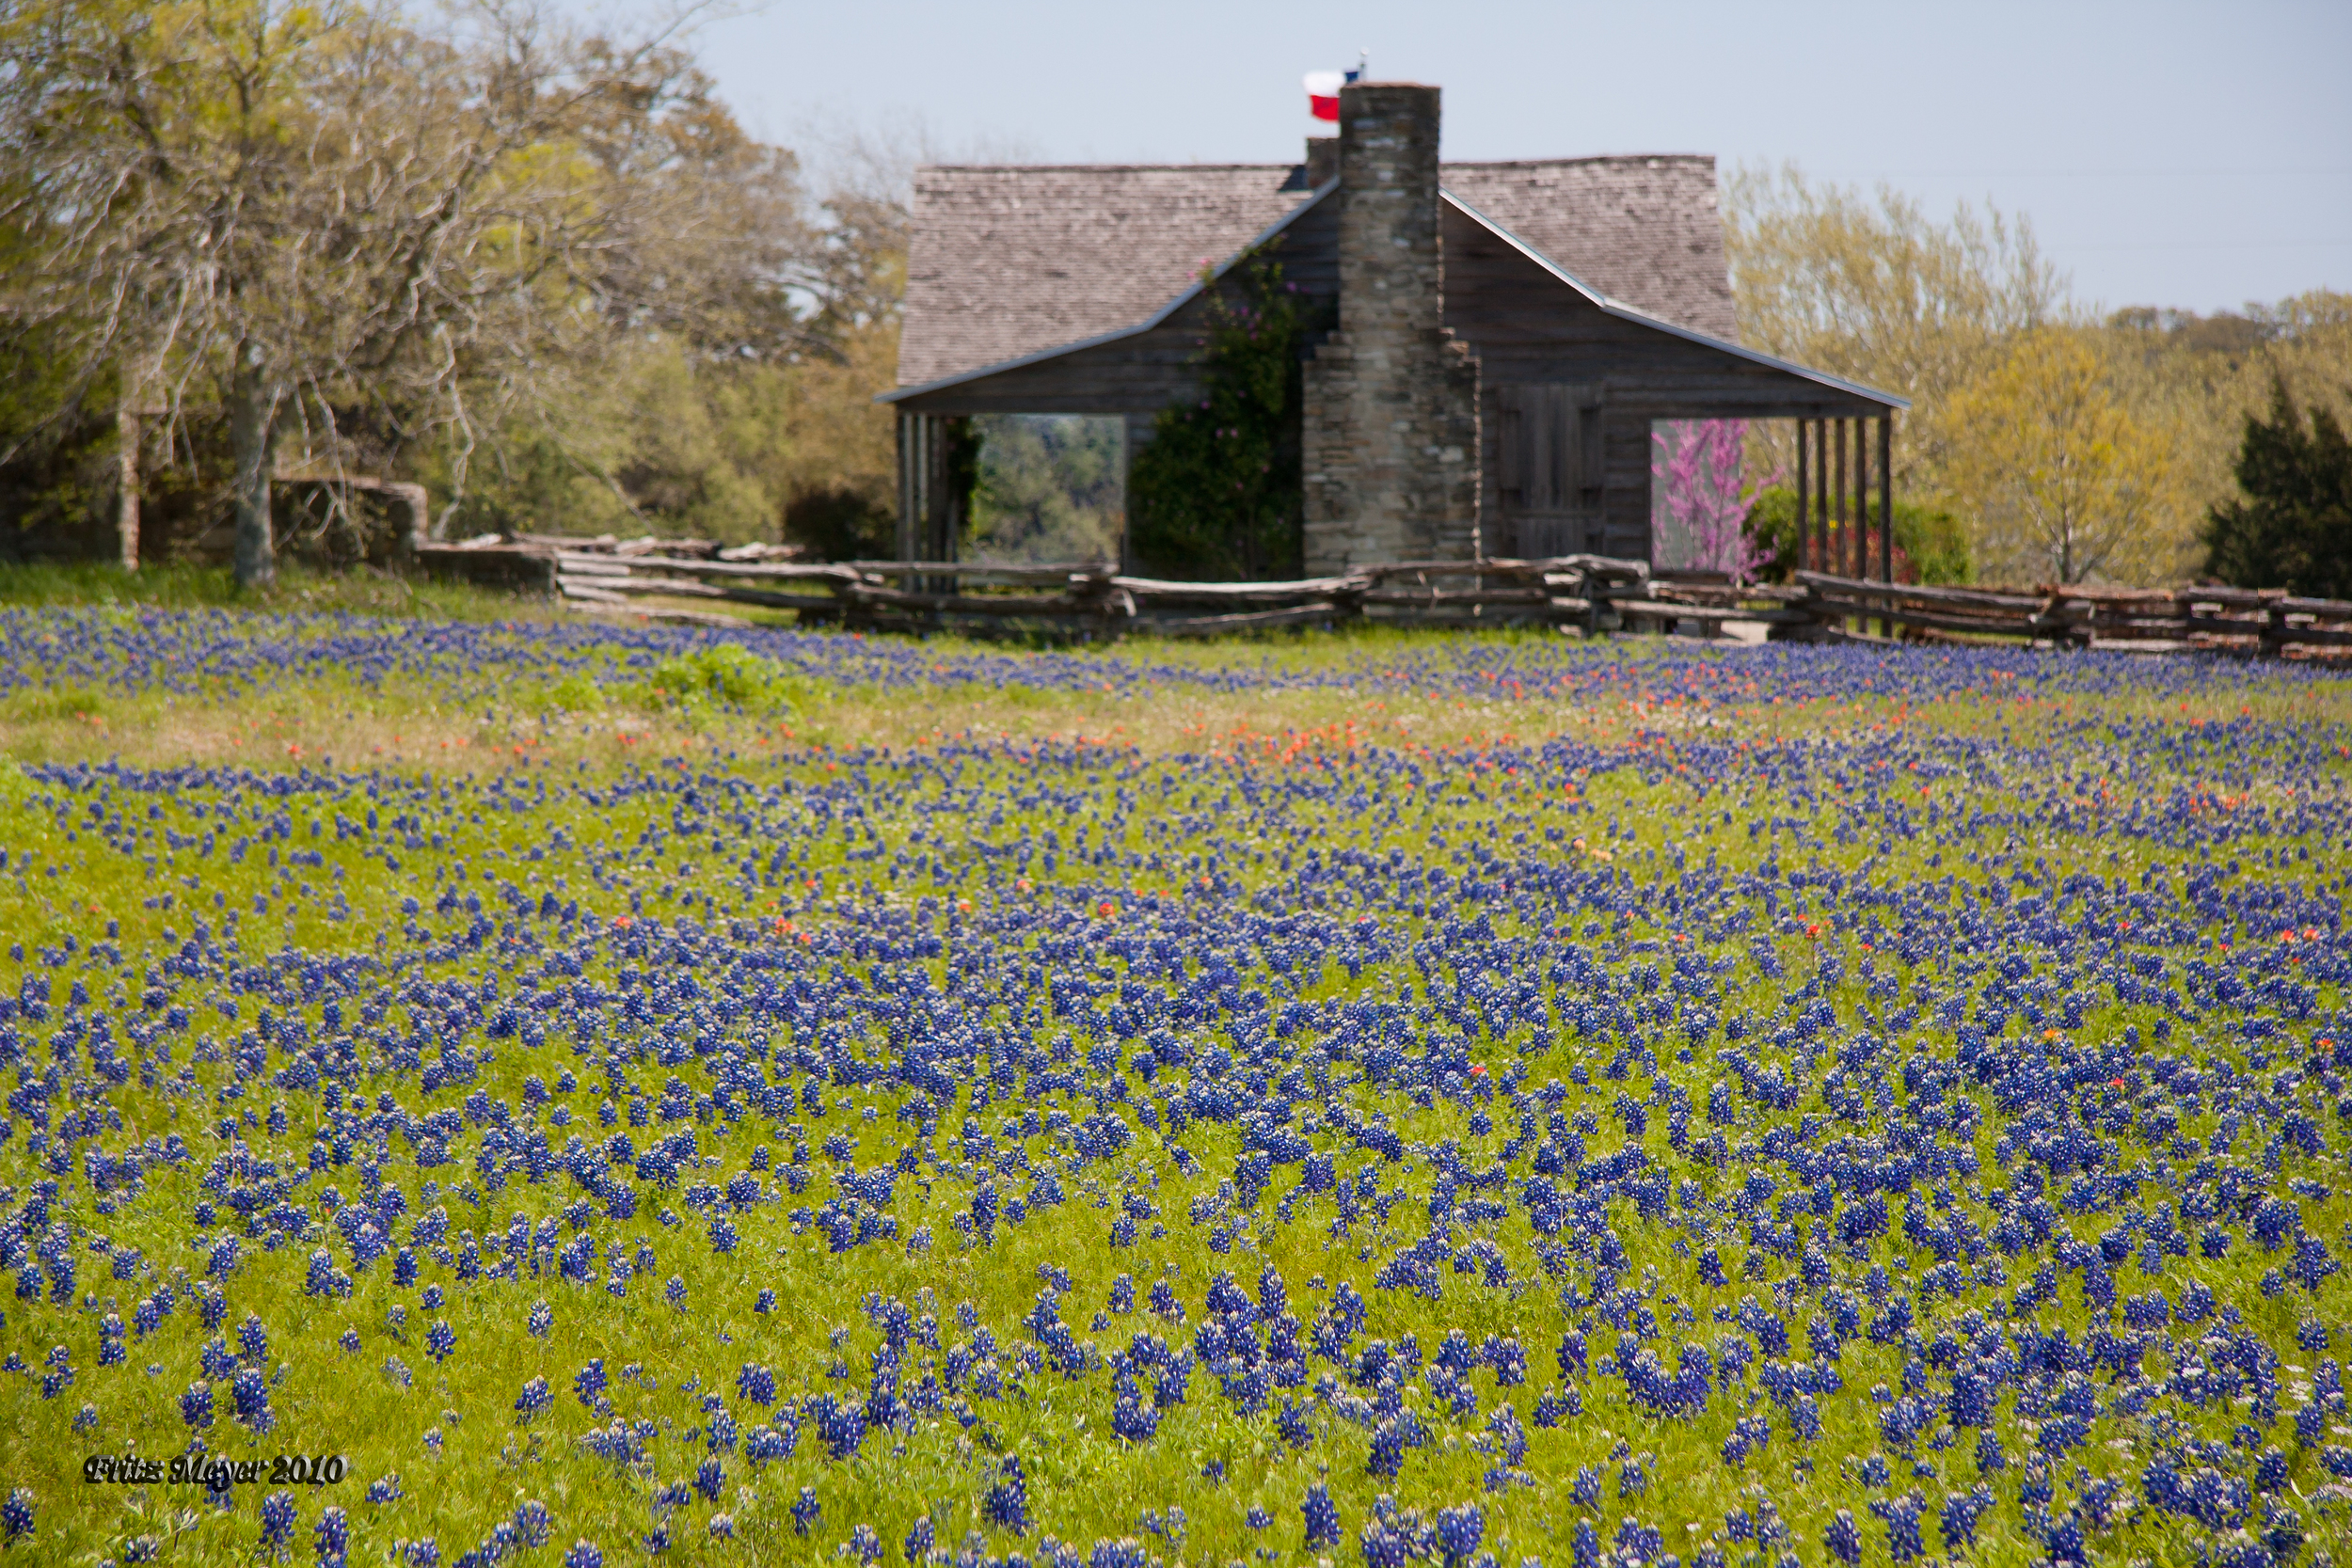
(549, 1094)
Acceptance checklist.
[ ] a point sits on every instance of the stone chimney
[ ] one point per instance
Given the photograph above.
(1391, 419)
(1323, 161)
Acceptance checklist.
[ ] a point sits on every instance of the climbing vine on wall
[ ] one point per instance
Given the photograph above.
(1216, 491)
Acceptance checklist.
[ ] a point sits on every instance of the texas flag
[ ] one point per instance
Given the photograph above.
(1323, 93)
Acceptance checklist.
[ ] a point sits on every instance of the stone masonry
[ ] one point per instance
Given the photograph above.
(1391, 416)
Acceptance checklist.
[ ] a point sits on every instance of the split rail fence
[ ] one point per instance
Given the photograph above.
(1594, 594)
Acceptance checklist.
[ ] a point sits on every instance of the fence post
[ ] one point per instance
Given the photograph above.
(2274, 642)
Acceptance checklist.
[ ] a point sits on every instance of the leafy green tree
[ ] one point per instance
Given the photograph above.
(1216, 493)
(1931, 543)
(2064, 482)
(311, 213)
(2291, 526)
(1048, 490)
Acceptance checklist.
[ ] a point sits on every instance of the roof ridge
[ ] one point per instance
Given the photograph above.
(1443, 163)
(1085, 168)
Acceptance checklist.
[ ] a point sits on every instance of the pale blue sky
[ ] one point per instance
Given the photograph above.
(2170, 154)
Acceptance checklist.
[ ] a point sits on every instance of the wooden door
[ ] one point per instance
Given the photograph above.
(1548, 470)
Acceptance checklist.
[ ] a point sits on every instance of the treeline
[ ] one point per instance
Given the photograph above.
(2045, 444)
(543, 271)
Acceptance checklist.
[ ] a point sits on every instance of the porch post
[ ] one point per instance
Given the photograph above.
(1804, 503)
(1887, 496)
(1837, 434)
(909, 483)
(1861, 501)
(1821, 494)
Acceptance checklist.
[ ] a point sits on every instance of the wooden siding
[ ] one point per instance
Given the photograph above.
(1527, 328)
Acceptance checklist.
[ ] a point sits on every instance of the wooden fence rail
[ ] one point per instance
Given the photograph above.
(1594, 594)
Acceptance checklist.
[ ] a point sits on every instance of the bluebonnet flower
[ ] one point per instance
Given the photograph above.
(276, 1519)
(1322, 1516)
(249, 1392)
(331, 1536)
(1006, 1502)
(1842, 1540)
(1460, 1530)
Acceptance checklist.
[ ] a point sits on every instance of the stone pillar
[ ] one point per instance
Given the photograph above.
(1391, 416)
(1323, 161)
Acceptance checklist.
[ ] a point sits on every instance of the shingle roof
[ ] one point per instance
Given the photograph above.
(1005, 262)
(1010, 260)
(1644, 230)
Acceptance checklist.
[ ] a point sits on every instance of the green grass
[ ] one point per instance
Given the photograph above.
(363, 591)
(1670, 836)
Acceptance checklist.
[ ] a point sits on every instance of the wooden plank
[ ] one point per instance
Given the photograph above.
(1212, 625)
(779, 572)
(1977, 598)
(1660, 609)
(2019, 626)
(1222, 592)
(2317, 636)
(501, 566)
(2126, 626)
(2227, 598)
(683, 589)
(862, 595)
(978, 572)
(591, 565)
(1434, 599)
(2222, 626)
(1452, 620)
(2329, 610)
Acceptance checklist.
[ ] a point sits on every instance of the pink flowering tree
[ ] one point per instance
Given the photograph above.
(1703, 509)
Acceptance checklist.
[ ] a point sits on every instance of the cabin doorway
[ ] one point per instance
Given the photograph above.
(1549, 472)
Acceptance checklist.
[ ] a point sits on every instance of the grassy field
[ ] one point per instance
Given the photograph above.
(579, 1093)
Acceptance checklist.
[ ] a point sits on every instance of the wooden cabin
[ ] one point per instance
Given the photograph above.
(1502, 334)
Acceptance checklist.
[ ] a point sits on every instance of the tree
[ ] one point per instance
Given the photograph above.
(1930, 545)
(309, 212)
(2292, 526)
(1703, 508)
(1217, 492)
(2064, 482)
(1048, 489)
(1878, 292)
